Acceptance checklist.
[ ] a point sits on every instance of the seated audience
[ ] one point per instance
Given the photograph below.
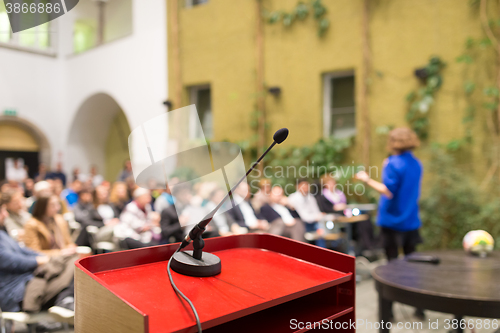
(165, 199)
(243, 214)
(276, 212)
(47, 232)
(58, 189)
(28, 187)
(95, 179)
(171, 224)
(18, 267)
(331, 199)
(40, 189)
(71, 193)
(41, 174)
(262, 196)
(82, 209)
(119, 197)
(306, 206)
(139, 225)
(58, 174)
(126, 172)
(101, 215)
(18, 216)
(220, 220)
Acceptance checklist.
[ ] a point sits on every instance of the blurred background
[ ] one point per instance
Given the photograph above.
(338, 73)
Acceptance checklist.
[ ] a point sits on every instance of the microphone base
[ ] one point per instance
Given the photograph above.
(184, 263)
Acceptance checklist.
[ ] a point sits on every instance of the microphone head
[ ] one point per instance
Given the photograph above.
(280, 135)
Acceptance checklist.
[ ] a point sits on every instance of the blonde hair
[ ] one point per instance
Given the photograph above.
(113, 196)
(402, 139)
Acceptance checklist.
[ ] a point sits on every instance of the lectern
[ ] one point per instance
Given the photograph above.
(267, 284)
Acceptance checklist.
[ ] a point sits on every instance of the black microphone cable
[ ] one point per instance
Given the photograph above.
(278, 137)
(198, 323)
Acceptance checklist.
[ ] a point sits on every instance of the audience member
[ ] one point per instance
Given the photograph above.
(41, 174)
(165, 199)
(18, 283)
(47, 232)
(82, 209)
(16, 173)
(119, 197)
(101, 215)
(18, 216)
(28, 187)
(262, 196)
(331, 199)
(139, 225)
(95, 178)
(220, 220)
(243, 214)
(71, 193)
(58, 174)
(126, 173)
(276, 212)
(171, 222)
(57, 189)
(43, 188)
(306, 206)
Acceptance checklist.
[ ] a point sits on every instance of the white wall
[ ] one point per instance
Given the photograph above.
(50, 91)
(31, 84)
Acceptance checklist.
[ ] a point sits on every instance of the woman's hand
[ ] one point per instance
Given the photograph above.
(42, 260)
(363, 176)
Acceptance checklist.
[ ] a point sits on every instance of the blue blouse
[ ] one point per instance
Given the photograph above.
(402, 175)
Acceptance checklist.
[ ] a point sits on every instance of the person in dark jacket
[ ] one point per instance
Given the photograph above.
(244, 214)
(283, 220)
(171, 226)
(17, 265)
(100, 214)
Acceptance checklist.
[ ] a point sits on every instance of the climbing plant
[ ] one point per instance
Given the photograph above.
(421, 100)
(481, 59)
(300, 13)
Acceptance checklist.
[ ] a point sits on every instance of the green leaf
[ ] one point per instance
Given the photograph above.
(465, 58)
(491, 91)
(469, 87)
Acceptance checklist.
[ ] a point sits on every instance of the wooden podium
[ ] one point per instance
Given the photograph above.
(267, 284)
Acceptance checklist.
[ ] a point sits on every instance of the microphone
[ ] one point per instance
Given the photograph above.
(278, 137)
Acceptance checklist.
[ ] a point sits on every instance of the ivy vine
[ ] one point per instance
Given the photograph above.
(421, 100)
(300, 13)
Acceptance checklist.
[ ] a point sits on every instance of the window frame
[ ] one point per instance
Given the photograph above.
(327, 99)
(51, 50)
(193, 99)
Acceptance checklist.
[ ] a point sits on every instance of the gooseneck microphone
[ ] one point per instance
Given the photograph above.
(278, 137)
(197, 263)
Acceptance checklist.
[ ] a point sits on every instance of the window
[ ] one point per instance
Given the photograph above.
(339, 111)
(35, 39)
(201, 96)
(191, 3)
(99, 22)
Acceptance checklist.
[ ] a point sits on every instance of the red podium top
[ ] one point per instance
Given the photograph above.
(259, 271)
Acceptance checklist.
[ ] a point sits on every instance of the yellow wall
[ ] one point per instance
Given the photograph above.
(15, 138)
(117, 146)
(217, 46)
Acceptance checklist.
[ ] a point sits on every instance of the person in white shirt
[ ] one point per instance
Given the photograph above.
(16, 172)
(307, 207)
(139, 226)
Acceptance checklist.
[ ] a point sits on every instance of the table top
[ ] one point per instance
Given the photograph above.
(459, 276)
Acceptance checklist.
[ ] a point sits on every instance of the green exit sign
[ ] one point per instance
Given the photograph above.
(10, 112)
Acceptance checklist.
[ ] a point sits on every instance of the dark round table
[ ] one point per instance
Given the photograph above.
(461, 284)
